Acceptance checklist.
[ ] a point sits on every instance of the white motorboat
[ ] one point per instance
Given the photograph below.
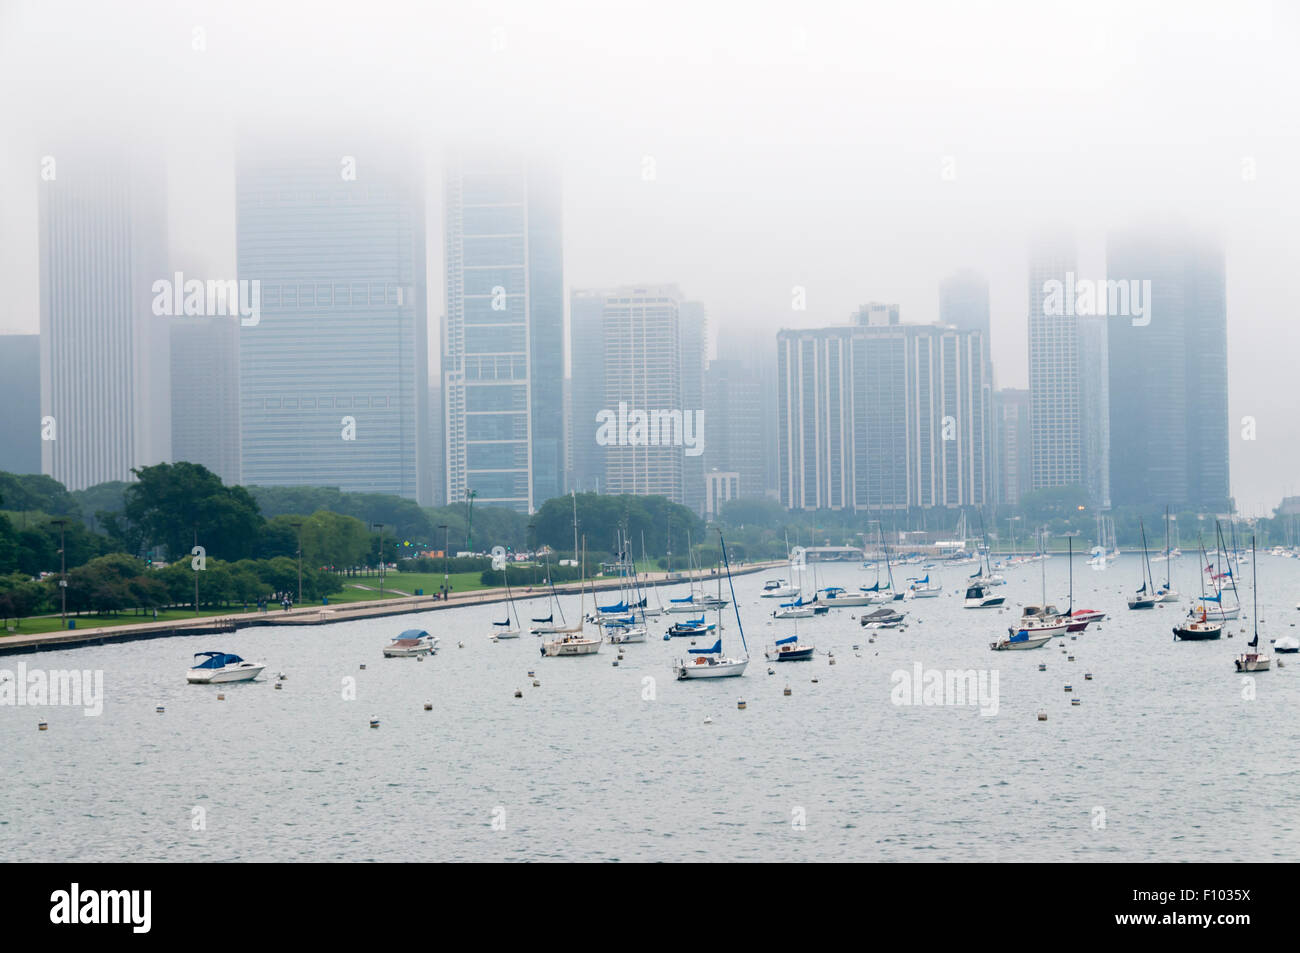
(978, 597)
(1018, 639)
(838, 598)
(778, 589)
(792, 611)
(411, 643)
(221, 667)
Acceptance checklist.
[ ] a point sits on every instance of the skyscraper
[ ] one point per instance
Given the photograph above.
(964, 301)
(587, 397)
(1168, 370)
(1094, 407)
(205, 393)
(334, 376)
(104, 354)
(881, 416)
(503, 338)
(734, 409)
(1012, 414)
(694, 332)
(20, 396)
(1056, 436)
(643, 368)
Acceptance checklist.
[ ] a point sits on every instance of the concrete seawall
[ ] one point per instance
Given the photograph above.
(323, 615)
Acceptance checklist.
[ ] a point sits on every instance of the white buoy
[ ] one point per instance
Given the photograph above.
(428, 706)
(519, 693)
(1042, 715)
(708, 720)
(460, 645)
(536, 684)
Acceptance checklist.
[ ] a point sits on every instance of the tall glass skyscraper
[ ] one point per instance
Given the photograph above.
(104, 354)
(1056, 429)
(503, 336)
(334, 377)
(1169, 377)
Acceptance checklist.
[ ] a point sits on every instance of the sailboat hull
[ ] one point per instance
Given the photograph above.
(1198, 632)
(706, 668)
(562, 648)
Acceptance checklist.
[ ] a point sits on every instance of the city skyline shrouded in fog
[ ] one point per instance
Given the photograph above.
(738, 152)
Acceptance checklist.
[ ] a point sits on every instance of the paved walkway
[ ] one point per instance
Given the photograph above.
(317, 615)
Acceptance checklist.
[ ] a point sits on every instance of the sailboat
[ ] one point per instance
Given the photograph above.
(979, 588)
(790, 649)
(696, 601)
(1212, 605)
(1198, 629)
(1145, 597)
(572, 640)
(1167, 593)
(711, 662)
(506, 629)
(925, 587)
(1253, 661)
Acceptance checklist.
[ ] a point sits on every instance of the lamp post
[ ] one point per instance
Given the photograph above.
(446, 531)
(382, 562)
(63, 570)
(297, 525)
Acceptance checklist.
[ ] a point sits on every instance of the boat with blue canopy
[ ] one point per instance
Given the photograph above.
(222, 667)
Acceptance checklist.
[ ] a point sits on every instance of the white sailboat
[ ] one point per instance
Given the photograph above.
(507, 629)
(572, 641)
(711, 662)
(1255, 661)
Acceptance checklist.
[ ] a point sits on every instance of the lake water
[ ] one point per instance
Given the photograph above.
(1166, 758)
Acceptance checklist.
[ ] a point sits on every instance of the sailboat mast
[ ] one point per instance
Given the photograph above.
(1254, 574)
(1168, 554)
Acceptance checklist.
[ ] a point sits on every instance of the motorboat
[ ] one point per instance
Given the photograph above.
(689, 629)
(222, 667)
(778, 589)
(883, 618)
(575, 643)
(837, 598)
(1287, 645)
(411, 643)
(1018, 639)
(978, 597)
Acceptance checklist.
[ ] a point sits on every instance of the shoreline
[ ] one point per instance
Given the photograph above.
(321, 615)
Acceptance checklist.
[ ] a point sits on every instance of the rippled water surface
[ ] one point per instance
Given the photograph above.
(1164, 759)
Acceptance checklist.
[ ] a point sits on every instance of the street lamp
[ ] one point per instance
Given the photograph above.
(297, 525)
(446, 530)
(63, 569)
(383, 563)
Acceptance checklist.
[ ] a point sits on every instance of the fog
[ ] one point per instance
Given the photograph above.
(861, 151)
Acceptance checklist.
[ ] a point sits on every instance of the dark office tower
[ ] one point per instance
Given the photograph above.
(20, 396)
(334, 375)
(733, 423)
(205, 393)
(587, 389)
(694, 330)
(104, 353)
(437, 444)
(1168, 370)
(1054, 396)
(1012, 415)
(964, 302)
(503, 338)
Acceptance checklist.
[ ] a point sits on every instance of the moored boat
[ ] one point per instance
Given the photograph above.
(221, 667)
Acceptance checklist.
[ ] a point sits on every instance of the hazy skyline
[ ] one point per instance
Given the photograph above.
(861, 154)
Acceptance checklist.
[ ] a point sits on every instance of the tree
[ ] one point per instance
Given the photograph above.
(172, 501)
(331, 539)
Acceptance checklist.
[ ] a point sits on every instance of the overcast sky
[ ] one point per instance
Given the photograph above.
(792, 143)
